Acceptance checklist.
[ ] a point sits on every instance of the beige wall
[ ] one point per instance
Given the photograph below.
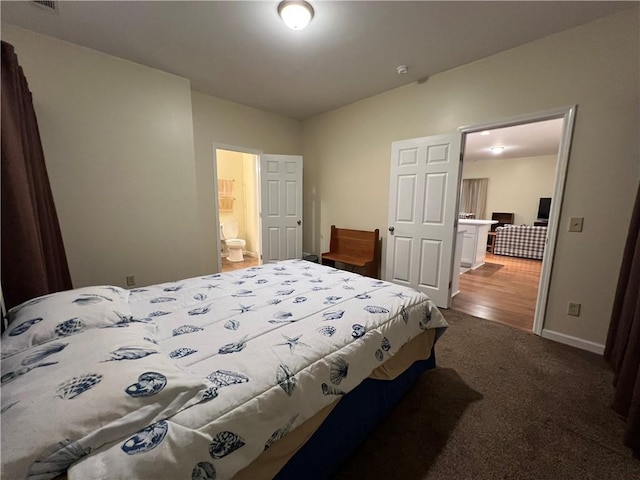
(129, 150)
(118, 143)
(596, 66)
(227, 123)
(515, 184)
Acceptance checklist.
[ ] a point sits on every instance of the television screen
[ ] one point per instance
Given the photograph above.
(543, 208)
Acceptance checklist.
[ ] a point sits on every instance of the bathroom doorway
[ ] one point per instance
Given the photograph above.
(238, 209)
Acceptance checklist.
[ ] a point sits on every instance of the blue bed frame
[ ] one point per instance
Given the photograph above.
(349, 424)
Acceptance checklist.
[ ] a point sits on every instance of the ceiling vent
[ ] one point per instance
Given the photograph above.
(49, 6)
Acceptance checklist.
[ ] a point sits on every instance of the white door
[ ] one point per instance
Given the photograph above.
(423, 214)
(281, 207)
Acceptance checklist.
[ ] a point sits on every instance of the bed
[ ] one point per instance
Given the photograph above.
(524, 241)
(274, 371)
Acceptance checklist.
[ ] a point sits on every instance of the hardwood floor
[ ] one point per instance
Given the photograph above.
(248, 261)
(504, 290)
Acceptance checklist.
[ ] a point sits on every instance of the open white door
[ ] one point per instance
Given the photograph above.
(423, 214)
(281, 207)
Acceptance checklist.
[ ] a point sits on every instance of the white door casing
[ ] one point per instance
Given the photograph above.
(423, 206)
(281, 207)
(568, 114)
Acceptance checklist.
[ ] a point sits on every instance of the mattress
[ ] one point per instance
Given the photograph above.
(196, 378)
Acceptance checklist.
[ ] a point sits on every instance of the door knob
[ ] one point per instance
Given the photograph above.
(391, 229)
(299, 222)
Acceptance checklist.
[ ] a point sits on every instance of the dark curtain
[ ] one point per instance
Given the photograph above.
(33, 257)
(623, 341)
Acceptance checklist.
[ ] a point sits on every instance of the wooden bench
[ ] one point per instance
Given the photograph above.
(358, 248)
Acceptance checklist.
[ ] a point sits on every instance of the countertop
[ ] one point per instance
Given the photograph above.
(463, 221)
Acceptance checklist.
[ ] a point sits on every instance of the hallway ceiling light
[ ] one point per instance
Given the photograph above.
(497, 150)
(485, 132)
(295, 14)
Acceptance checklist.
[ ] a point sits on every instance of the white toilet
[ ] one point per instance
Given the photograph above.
(228, 234)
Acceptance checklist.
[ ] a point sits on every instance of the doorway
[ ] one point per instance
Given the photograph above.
(238, 208)
(508, 176)
(270, 201)
(564, 119)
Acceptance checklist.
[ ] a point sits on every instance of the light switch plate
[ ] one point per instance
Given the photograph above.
(575, 224)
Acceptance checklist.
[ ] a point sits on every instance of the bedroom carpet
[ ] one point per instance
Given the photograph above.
(502, 404)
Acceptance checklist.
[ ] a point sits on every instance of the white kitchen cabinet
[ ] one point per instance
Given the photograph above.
(474, 246)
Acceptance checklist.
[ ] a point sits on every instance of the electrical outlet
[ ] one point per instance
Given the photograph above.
(575, 224)
(574, 309)
(131, 280)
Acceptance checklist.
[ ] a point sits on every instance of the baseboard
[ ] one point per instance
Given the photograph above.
(573, 341)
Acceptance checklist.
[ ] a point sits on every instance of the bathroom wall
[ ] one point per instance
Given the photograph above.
(230, 166)
(251, 204)
(241, 168)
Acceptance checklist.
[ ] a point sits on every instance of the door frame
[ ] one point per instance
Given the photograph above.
(216, 214)
(568, 114)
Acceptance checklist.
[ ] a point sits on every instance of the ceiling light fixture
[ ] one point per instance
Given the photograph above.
(295, 14)
(402, 69)
(485, 132)
(497, 150)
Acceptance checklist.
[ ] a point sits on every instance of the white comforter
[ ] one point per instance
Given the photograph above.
(207, 373)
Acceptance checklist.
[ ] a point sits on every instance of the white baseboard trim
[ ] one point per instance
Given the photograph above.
(250, 254)
(573, 341)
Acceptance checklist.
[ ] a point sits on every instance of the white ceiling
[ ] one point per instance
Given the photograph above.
(528, 140)
(241, 51)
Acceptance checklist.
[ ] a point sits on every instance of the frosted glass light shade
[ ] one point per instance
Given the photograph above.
(295, 14)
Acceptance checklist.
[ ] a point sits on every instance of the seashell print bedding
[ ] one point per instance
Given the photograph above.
(225, 370)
